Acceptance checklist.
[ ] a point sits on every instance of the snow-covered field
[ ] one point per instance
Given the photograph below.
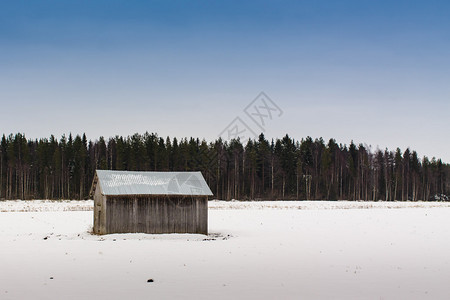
(255, 250)
(73, 205)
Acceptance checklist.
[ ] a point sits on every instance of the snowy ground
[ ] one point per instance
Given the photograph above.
(255, 250)
(73, 205)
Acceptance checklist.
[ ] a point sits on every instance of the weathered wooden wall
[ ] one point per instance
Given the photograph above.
(99, 211)
(156, 214)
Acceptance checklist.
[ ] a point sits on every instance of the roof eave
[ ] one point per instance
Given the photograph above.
(154, 195)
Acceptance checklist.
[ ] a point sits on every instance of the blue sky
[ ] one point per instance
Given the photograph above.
(376, 72)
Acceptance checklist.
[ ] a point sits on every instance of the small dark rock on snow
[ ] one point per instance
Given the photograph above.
(150, 280)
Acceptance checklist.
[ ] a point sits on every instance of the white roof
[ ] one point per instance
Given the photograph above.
(152, 183)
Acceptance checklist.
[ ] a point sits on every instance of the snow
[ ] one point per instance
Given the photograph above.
(87, 205)
(45, 205)
(255, 250)
(322, 204)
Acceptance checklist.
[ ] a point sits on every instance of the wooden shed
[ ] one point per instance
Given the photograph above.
(150, 202)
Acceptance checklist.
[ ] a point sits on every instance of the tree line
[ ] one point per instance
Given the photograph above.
(255, 169)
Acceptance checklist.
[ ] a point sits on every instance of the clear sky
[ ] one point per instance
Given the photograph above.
(376, 72)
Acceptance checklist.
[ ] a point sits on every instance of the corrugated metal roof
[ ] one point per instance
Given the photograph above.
(152, 183)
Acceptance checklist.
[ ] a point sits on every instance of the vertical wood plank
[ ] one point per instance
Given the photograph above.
(155, 214)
